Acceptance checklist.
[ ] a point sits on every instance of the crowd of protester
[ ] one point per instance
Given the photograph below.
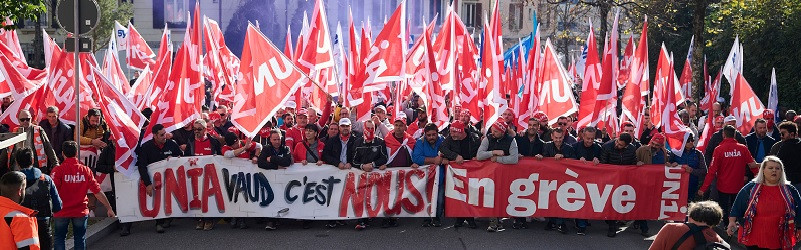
(733, 171)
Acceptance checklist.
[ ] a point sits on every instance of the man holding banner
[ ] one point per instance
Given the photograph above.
(369, 153)
(460, 147)
(618, 152)
(155, 150)
(558, 150)
(426, 152)
(501, 148)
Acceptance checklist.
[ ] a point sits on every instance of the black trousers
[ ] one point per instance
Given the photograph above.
(45, 236)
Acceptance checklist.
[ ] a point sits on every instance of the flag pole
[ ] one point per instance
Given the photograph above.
(77, 78)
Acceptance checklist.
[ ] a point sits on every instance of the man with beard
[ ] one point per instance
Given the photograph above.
(295, 134)
(545, 130)
(590, 151)
(6, 103)
(157, 149)
(37, 141)
(758, 142)
(400, 146)
(501, 148)
(416, 128)
(788, 151)
(460, 147)
(202, 144)
(469, 128)
(509, 117)
(529, 143)
(426, 152)
(57, 131)
(222, 125)
(369, 153)
(339, 151)
(619, 152)
(561, 122)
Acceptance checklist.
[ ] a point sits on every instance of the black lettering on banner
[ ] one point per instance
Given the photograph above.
(267, 195)
(230, 183)
(289, 186)
(330, 186)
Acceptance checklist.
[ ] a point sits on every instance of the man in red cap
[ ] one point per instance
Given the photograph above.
(770, 119)
(460, 147)
(510, 119)
(728, 167)
(501, 148)
(471, 130)
(295, 134)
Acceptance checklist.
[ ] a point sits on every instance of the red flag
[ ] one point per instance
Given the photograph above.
(625, 63)
(139, 90)
(663, 75)
(138, 52)
(385, 61)
(637, 88)
(317, 58)
(435, 89)
(165, 46)
(491, 69)
(467, 78)
(364, 108)
(10, 39)
(606, 100)
(124, 121)
(289, 52)
(675, 131)
(112, 69)
(445, 52)
(184, 92)
(417, 67)
(686, 79)
(592, 80)
(269, 77)
(556, 97)
(745, 105)
(16, 78)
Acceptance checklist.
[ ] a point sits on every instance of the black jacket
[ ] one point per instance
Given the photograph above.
(216, 147)
(373, 152)
(752, 141)
(587, 152)
(611, 155)
(278, 157)
(789, 151)
(57, 135)
(451, 148)
(150, 153)
(333, 149)
(550, 150)
(527, 147)
(183, 136)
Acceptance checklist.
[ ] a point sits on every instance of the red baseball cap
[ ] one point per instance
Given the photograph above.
(659, 138)
(457, 126)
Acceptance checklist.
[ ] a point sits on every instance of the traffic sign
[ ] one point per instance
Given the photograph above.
(88, 13)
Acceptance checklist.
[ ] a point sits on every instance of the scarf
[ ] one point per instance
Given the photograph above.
(38, 146)
(786, 224)
(394, 146)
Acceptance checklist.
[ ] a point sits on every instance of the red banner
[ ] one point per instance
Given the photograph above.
(565, 189)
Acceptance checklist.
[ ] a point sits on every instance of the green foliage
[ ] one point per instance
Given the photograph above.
(769, 31)
(110, 11)
(19, 10)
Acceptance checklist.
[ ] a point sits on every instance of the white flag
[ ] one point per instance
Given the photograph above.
(121, 33)
(773, 98)
(733, 65)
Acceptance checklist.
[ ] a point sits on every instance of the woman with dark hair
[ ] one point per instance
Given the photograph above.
(767, 209)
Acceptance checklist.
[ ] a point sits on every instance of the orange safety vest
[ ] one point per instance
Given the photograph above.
(18, 228)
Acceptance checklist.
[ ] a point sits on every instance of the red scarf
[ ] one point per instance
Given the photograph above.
(393, 145)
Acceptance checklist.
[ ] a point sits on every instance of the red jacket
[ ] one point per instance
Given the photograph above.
(293, 136)
(729, 161)
(73, 180)
(299, 152)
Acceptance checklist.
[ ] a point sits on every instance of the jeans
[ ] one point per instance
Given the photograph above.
(45, 239)
(78, 232)
(441, 193)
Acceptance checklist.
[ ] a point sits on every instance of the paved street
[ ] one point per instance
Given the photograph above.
(408, 235)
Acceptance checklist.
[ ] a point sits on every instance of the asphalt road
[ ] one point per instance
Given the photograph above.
(291, 235)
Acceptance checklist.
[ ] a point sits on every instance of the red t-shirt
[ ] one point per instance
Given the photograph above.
(729, 161)
(203, 147)
(293, 136)
(73, 180)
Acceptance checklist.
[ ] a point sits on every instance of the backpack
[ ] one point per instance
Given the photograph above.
(700, 241)
(37, 196)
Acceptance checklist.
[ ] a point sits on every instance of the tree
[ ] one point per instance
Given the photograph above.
(20, 10)
(110, 11)
(769, 31)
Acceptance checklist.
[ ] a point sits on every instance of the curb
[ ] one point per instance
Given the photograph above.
(97, 231)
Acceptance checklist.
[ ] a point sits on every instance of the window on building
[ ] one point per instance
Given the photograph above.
(516, 16)
(471, 14)
(171, 12)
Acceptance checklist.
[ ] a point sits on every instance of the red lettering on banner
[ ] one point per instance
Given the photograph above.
(353, 195)
(380, 182)
(395, 207)
(211, 186)
(156, 198)
(194, 174)
(566, 188)
(175, 188)
(413, 192)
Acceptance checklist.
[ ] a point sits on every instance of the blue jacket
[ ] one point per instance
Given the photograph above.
(752, 142)
(741, 202)
(33, 173)
(423, 149)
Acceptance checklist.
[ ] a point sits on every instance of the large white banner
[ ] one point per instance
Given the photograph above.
(215, 186)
